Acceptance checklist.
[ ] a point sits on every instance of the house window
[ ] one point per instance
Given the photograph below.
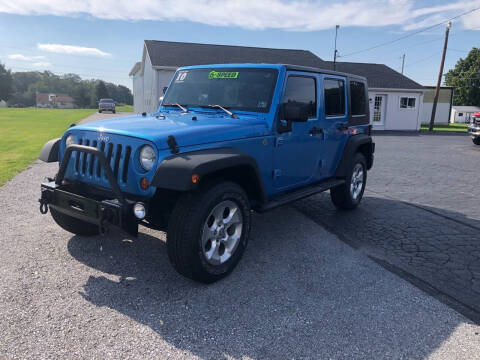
(460, 114)
(334, 97)
(357, 95)
(407, 102)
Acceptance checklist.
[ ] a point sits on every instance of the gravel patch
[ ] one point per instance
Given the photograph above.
(298, 293)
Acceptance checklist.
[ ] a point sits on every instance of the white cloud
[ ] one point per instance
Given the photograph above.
(42, 64)
(25, 57)
(303, 15)
(71, 49)
(472, 21)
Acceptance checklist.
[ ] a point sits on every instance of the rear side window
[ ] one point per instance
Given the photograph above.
(358, 99)
(302, 91)
(334, 97)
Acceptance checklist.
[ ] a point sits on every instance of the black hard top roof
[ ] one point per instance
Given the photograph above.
(323, 71)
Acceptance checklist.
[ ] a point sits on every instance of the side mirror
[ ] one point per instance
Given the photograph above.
(295, 112)
(160, 99)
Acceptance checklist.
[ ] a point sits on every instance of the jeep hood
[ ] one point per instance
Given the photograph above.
(207, 128)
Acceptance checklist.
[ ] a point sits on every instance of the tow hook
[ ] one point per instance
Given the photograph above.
(43, 206)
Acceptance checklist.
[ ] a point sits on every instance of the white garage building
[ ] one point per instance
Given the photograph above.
(395, 100)
(463, 114)
(444, 105)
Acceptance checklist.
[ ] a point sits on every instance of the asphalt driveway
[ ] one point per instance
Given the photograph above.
(300, 291)
(420, 217)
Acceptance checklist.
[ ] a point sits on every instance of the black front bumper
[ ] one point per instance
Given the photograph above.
(103, 208)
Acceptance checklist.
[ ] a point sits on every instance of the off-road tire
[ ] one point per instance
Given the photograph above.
(476, 140)
(74, 225)
(341, 195)
(185, 229)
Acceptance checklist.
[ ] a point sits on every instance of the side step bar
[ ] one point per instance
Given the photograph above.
(300, 194)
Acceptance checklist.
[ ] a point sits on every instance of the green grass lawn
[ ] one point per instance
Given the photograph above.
(23, 132)
(124, 108)
(461, 128)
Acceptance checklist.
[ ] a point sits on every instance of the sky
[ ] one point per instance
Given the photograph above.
(104, 39)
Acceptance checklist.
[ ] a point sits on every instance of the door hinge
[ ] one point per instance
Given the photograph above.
(279, 141)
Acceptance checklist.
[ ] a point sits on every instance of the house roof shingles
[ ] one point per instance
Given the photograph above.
(378, 75)
(176, 54)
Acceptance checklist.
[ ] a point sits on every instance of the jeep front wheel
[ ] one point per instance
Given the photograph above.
(349, 195)
(208, 231)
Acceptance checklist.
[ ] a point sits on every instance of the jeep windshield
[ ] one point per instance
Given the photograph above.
(242, 89)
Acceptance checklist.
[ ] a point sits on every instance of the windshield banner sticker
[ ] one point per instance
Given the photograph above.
(222, 74)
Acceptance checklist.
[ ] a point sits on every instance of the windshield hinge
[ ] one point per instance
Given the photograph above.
(172, 144)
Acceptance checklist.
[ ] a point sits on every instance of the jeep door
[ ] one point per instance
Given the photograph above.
(334, 114)
(297, 151)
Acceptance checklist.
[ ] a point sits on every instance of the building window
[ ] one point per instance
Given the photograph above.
(357, 95)
(407, 102)
(334, 97)
(460, 114)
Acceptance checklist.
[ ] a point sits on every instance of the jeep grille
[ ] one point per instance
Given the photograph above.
(118, 156)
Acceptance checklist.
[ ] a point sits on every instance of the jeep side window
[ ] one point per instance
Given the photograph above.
(334, 97)
(302, 91)
(357, 96)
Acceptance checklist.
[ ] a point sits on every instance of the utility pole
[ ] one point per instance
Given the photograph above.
(403, 62)
(440, 75)
(335, 52)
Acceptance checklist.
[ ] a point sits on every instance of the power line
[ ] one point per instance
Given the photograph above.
(409, 35)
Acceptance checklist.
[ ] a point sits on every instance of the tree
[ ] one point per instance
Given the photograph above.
(465, 77)
(6, 83)
(101, 91)
(81, 96)
(86, 93)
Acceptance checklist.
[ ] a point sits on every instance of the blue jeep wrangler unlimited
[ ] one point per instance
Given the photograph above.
(226, 140)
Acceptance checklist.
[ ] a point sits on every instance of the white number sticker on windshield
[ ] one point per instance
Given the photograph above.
(182, 75)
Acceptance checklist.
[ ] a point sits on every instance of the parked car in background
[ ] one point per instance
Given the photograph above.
(474, 128)
(227, 139)
(106, 105)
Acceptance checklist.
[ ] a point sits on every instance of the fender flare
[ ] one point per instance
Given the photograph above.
(49, 151)
(352, 146)
(175, 172)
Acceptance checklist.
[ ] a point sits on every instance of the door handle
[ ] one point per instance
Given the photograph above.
(315, 131)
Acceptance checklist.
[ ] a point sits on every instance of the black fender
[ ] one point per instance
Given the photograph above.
(175, 172)
(357, 143)
(49, 151)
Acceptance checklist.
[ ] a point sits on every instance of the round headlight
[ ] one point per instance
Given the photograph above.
(147, 157)
(70, 140)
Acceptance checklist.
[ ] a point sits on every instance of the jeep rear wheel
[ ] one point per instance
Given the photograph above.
(74, 225)
(350, 194)
(208, 231)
